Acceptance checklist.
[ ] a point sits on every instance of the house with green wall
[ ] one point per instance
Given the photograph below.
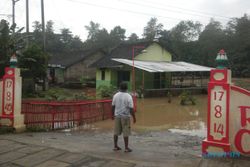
(143, 65)
(110, 72)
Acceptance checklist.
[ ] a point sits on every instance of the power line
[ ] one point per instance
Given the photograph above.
(124, 10)
(190, 10)
(7, 15)
(169, 9)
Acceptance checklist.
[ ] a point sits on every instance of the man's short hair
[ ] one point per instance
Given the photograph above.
(123, 86)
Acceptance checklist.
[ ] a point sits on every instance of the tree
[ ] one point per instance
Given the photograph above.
(37, 26)
(238, 32)
(66, 36)
(37, 36)
(93, 29)
(35, 61)
(182, 40)
(76, 43)
(152, 30)
(11, 42)
(133, 37)
(4, 50)
(186, 31)
(211, 40)
(100, 38)
(49, 27)
(118, 34)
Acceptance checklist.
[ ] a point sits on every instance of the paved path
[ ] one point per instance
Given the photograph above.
(93, 150)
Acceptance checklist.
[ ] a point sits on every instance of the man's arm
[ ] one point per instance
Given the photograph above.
(133, 114)
(113, 112)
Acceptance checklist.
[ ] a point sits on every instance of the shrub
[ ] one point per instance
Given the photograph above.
(106, 91)
(55, 94)
(186, 97)
(6, 129)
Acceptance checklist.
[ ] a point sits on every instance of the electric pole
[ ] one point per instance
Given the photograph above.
(43, 23)
(27, 16)
(13, 11)
(27, 21)
(45, 83)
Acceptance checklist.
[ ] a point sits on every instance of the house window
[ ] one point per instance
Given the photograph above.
(159, 80)
(103, 74)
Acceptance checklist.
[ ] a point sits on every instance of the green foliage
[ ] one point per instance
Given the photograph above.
(6, 129)
(36, 129)
(61, 94)
(11, 41)
(188, 43)
(117, 34)
(106, 91)
(85, 81)
(187, 98)
(55, 94)
(28, 86)
(93, 29)
(152, 30)
(81, 96)
(133, 37)
(140, 92)
(101, 38)
(35, 61)
(186, 31)
(55, 43)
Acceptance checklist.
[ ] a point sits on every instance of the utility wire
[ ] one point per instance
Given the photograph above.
(7, 15)
(190, 10)
(168, 9)
(124, 10)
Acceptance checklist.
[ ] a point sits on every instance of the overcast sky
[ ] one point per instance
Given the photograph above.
(132, 15)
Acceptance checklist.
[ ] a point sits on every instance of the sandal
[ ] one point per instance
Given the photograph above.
(116, 148)
(128, 150)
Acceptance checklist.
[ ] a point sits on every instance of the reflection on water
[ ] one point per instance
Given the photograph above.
(158, 114)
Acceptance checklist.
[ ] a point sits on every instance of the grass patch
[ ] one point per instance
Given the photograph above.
(36, 129)
(6, 129)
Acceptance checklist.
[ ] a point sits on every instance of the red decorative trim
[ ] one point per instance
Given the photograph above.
(226, 88)
(238, 141)
(206, 144)
(13, 94)
(7, 116)
(241, 90)
(223, 71)
(7, 74)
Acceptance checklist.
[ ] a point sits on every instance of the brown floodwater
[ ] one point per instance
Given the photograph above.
(154, 114)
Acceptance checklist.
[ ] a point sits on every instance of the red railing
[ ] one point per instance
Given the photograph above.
(58, 115)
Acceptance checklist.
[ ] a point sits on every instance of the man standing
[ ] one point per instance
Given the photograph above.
(122, 109)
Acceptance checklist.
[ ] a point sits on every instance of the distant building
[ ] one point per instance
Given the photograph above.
(73, 66)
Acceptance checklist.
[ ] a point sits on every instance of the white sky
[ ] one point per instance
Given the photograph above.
(132, 15)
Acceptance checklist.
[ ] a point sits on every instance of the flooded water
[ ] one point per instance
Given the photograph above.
(154, 114)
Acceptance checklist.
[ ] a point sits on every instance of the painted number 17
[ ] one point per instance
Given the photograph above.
(218, 95)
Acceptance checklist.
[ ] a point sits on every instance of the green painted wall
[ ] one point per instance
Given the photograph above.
(99, 80)
(112, 79)
(154, 52)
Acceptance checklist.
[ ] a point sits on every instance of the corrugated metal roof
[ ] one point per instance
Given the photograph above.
(152, 66)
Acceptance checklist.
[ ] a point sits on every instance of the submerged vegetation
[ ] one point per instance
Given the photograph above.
(187, 98)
